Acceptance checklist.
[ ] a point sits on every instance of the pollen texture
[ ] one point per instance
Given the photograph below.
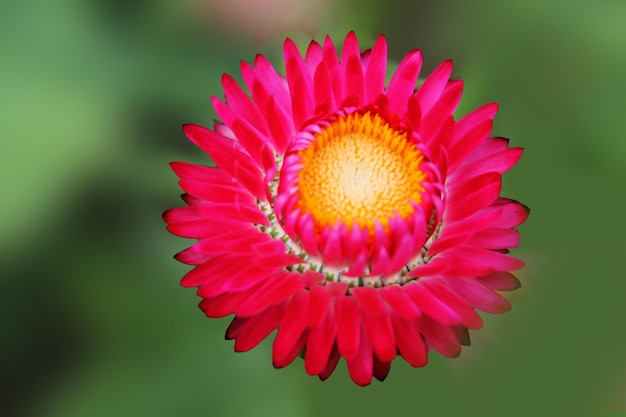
(359, 169)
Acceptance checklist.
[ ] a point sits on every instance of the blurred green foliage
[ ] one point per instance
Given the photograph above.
(92, 95)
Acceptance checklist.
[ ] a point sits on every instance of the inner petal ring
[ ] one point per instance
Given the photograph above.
(353, 194)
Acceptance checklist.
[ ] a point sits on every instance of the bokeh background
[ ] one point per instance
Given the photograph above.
(92, 96)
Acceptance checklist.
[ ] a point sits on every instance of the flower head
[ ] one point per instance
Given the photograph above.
(359, 219)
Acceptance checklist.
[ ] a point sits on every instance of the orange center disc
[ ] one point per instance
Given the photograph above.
(358, 170)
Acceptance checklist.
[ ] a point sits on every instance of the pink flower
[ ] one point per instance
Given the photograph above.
(360, 220)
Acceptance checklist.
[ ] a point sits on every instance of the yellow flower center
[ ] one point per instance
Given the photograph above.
(359, 169)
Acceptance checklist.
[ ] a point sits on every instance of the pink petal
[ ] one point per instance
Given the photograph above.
(336, 289)
(361, 367)
(381, 261)
(215, 276)
(399, 303)
(467, 260)
(242, 104)
(479, 296)
(232, 213)
(280, 125)
(300, 85)
(225, 155)
(217, 193)
(488, 148)
(332, 247)
(410, 342)
(427, 302)
(313, 56)
(296, 350)
(442, 338)
(324, 98)
(513, 213)
(249, 78)
(278, 288)
(348, 318)
(272, 81)
(500, 281)
(332, 63)
(469, 318)
(471, 196)
(319, 345)
(433, 86)
(457, 233)
(404, 252)
(212, 175)
(306, 231)
(442, 137)
(292, 327)
(403, 81)
(351, 62)
(354, 82)
(257, 328)
(245, 278)
(355, 244)
(413, 114)
(464, 144)
(228, 273)
(350, 47)
(192, 229)
(224, 304)
(319, 305)
(442, 109)
(496, 149)
(476, 222)
(239, 239)
(376, 69)
(471, 120)
(192, 256)
(376, 322)
(256, 143)
(302, 106)
(499, 162)
(252, 140)
(495, 238)
(189, 222)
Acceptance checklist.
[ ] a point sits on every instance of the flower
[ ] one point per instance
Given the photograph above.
(360, 220)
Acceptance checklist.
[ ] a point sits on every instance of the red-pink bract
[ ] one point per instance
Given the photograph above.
(399, 285)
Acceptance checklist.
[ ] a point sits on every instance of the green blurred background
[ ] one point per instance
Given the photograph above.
(92, 96)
